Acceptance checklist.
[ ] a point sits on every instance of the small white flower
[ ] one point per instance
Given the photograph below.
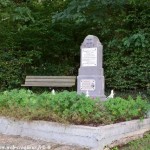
(53, 92)
(87, 94)
(111, 94)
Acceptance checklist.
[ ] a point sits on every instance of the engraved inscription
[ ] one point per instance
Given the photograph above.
(89, 57)
(87, 84)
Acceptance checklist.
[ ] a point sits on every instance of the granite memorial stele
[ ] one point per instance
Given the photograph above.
(91, 76)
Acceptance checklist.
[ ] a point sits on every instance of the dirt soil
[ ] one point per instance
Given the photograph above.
(24, 143)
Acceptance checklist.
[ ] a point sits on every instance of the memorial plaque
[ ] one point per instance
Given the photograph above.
(87, 85)
(89, 56)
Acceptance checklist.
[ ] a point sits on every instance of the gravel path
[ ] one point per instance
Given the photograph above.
(19, 143)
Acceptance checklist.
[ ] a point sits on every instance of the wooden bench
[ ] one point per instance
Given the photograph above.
(50, 81)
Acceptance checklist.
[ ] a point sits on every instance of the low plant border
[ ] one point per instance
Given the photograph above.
(95, 138)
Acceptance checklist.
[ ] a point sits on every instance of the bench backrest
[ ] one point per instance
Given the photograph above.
(50, 81)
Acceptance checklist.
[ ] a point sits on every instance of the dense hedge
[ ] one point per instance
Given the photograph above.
(35, 41)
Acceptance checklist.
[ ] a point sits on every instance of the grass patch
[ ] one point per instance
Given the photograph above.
(69, 107)
(140, 144)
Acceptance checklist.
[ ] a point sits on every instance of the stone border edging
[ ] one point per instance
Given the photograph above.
(95, 138)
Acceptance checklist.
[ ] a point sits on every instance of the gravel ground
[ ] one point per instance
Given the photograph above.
(19, 143)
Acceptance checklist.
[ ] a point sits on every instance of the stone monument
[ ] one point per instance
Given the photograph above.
(90, 76)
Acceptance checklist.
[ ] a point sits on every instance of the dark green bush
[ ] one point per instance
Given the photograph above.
(125, 37)
(32, 44)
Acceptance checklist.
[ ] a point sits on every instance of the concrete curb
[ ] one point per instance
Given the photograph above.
(95, 138)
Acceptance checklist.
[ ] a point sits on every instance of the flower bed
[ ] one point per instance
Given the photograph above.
(68, 107)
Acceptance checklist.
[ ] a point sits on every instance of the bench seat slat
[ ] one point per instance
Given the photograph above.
(49, 81)
(50, 77)
(49, 85)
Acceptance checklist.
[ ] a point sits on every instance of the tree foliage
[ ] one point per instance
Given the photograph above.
(43, 37)
(124, 29)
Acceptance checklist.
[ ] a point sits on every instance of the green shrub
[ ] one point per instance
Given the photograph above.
(69, 107)
(18, 98)
(122, 110)
(62, 107)
(78, 108)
